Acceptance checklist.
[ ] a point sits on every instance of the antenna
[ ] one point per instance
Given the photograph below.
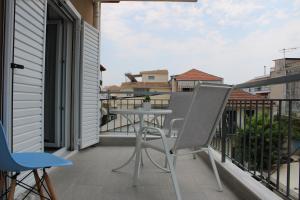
(285, 50)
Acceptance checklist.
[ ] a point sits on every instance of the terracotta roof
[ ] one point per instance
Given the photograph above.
(238, 94)
(162, 71)
(145, 85)
(197, 75)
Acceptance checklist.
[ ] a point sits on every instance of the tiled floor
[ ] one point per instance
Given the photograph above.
(91, 178)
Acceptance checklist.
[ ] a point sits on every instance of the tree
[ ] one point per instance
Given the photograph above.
(263, 139)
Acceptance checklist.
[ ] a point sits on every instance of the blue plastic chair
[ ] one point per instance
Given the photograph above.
(15, 163)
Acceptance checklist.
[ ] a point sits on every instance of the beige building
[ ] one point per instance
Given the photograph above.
(147, 81)
(284, 67)
(155, 76)
(263, 91)
(186, 81)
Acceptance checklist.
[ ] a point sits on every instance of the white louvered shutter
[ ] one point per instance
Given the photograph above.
(28, 83)
(90, 109)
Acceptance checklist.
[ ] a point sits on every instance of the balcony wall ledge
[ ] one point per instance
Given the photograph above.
(239, 181)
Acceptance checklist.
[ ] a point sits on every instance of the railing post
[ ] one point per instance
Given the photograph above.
(223, 135)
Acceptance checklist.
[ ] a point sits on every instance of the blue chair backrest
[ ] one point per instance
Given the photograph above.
(7, 163)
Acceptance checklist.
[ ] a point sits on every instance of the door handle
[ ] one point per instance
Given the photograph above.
(16, 66)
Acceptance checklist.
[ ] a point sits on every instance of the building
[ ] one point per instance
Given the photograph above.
(239, 107)
(188, 80)
(50, 73)
(150, 81)
(285, 67)
(263, 91)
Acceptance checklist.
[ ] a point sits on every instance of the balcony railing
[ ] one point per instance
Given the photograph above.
(261, 136)
(118, 124)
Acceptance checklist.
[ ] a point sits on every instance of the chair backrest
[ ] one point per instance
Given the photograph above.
(179, 102)
(204, 113)
(7, 163)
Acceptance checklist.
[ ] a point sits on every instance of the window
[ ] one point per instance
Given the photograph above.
(151, 77)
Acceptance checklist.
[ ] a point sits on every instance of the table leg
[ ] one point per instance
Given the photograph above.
(138, 151)
(127, 162)
(137, 160)
(134, 152)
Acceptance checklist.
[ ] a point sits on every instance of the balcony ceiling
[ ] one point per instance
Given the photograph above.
(117, 1)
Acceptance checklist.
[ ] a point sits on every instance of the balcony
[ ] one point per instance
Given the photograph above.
(91, 178)
(258, 137)
(256, 147)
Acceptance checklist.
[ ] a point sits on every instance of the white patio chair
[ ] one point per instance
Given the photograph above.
(179, 103)
(199, 126)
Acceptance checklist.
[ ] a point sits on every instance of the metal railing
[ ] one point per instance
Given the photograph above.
(118, 124)
(261, 136)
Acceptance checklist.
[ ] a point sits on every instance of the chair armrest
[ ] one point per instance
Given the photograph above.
(173, 121)
(155, 119)
(158, 131)
(161, 133)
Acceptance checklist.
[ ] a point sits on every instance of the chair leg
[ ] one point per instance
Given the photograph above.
(170, 159)
(2, 181)
(142, 160)
(174, 161)
(137, 161)
(212, 160)
(166, 162)
(38, 184)
(50, 186)
(12, 188)
(194, 154)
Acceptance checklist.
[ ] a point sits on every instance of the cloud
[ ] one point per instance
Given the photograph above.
(208, 35)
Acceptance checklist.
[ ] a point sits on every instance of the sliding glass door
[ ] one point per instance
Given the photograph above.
(1, 56)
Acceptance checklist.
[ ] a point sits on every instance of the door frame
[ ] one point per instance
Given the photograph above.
(72, 74)
(75, 76)
(1, 56)
(7, 73)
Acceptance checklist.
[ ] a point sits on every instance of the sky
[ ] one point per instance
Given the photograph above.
(233, 39)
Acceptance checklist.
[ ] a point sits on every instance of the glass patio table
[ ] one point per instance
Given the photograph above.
(140, 112)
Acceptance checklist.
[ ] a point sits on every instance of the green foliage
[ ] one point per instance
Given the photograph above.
(147, 98)
(264, 140)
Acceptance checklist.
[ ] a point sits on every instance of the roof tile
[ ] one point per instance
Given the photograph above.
(238, 94)
(197, 75)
